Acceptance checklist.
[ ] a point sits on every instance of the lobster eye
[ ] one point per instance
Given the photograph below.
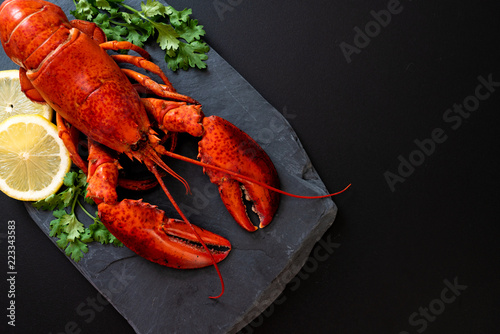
(140, 143)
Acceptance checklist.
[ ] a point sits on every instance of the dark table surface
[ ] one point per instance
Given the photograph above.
(399, 98)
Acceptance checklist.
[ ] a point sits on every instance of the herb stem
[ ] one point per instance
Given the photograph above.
(86, 212)
(138, 13)
(134, 10)
(128, 26)
(75, 200)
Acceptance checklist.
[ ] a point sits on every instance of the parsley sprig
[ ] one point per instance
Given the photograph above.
(176, 33)
(72, 234)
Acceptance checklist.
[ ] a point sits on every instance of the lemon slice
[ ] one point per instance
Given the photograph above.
(14, 102)
(33, 159)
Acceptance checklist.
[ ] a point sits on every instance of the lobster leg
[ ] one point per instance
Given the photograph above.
(70, 136)
(156, 88)
(90, 29)
(124, 45)
(176, 116)
(143, 227)
(102, 174)
(28, 89)
(145, 64)
(97, 34)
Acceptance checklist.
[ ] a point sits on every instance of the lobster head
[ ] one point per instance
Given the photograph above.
(25, 25)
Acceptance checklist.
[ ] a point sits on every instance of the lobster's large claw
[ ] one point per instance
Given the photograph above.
(224, 145)
(144, 229)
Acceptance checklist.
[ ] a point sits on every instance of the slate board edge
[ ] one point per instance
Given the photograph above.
(274, 289)
(277, 286)
(288, 273)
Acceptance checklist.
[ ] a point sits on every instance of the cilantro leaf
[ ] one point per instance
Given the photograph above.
(72, 226)
(69, 178)
(173, 30)
(63, 241)
(167, 36)
(56, 227)
(59, 213)
(135, 37)
(86, 237)
(84, 10)
(50, 203)
(114, 241)
(152, 8)
(81, 180)
(178, 17)
(72, 235)
(191, 31)
(66, 197)
(99, 232)
(102, 4)
(75, 250)
(189, 55)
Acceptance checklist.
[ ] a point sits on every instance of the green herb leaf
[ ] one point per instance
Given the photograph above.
(152, 8)
(71, 233)
(84, 11)
(189, 55)
(167, 36)
(173, 30)
(102, 4)
(69, 179)
(56, 227)
(63, 240)
(76, 249)
(191, 32)
(50, 203)
(72, 226)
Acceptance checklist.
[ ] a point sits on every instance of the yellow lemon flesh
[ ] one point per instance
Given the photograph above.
(33, 159)
(14, 102)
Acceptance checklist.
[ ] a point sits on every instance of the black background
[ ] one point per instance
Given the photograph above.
(394, 249)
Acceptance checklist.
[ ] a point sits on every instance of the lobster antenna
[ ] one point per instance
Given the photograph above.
(151, 154)
(241, 177)
(153, 168)
(184, 218)
(177, 176)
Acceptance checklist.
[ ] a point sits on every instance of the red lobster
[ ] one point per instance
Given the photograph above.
(66, 65)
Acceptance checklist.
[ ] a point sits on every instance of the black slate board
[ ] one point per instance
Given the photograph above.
(155, 299)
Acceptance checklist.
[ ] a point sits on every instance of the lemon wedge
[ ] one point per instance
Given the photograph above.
(33, 159)
(14, 102)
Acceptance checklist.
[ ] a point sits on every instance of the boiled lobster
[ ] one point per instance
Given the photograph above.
(66, 64)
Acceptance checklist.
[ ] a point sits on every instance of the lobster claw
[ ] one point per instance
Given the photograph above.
(144, 229)
(225, 146)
